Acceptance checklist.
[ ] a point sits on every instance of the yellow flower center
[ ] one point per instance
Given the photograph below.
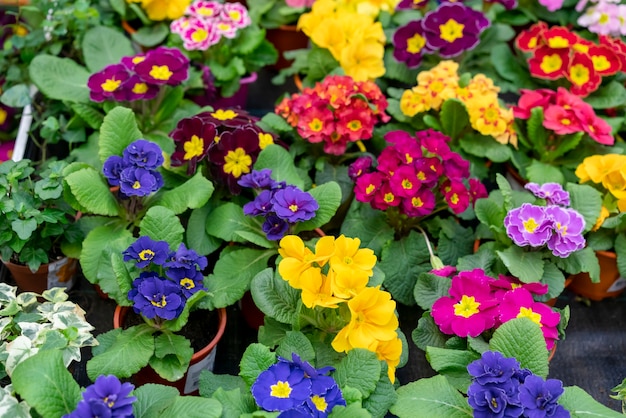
(415, 43)
(199, 35)
(532, 42)
(222, 114)
(604, 18)
(451, 30)
(3, 116)
(293, 208)
(600, 63)
(138, 59)
(187, 283)
(146, 254)
(136, 185)
(528, 313)
(417, 202)
(389, 197)
(551, 63)
(579, 74)
(561, 228)
(530, 225)
(408, 159)
(466, 307)
(237, 162)
(581, 48)
(347, 260)
(159, 304)
(354, 125)
(369, 189)
(280, 390)
(223, 27)
(160, 72)
(558, 42)
(194, 147)
(140, 88)
(205, 11)
(454, 199)
(421, 175)
(406, 184)
(110, 85)
(316, 125)
(566, 122)
(265, 139)
(319, 402)
(234, 15)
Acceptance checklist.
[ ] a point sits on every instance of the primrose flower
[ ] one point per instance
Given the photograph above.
(283, 386)
(164, 66)
(189, 280)
(275, 227)
(409, 44)
(528, 225)
(553, 193)
(568, 227)
(293, 205)
(154, 296)
(144, 154)
(259, 179)
(145, 251)
(112, 168)
(139, 181)
(186, 259)
(539, 398)
(106, 84)
(106, 397)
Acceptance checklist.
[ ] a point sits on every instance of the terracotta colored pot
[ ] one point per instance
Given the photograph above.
(61, 273)
(286, 38)
(201, 360)
(610, 285)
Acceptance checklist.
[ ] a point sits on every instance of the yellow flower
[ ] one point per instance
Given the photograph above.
(316, 289)
(438, 85)
(163, 9)
(615, 182)
(412, 103)
(597, 167)
(487, 117)
(446, 69)
(390, 352)
(372, 320)
(297, 258)
(604, 213)
(348, 258)
(510, 134)
(346, 285)
(483, 85)
(621, 205)
(363, 61)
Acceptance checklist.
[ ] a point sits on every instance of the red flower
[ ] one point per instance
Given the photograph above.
(549, 63)
(531, 39)
(558, 37)
(582, 75)
(617, 46)
(605, 61)
(192, 137)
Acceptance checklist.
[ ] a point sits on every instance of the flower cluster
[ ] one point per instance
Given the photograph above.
(336, 111)
(560, 228)
(564, 113)
(139, 77)
(282, 205)
(336, 275)
(556, 53)
(229, 139)
(477, 303)
(106, 397)
(500, 387)
(480, 97)
(158, 10)
(297, 389)
(354, 39)
(163, 297)
(604, 17)
(449, 30)
(205, 23)
(416, 174)
(135, 172)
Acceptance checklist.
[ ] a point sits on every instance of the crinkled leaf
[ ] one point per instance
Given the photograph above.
(210, 382)
(172, 354)
(525, 265)
(429, 288)
(281, 163)
(152, 399)
(296, 342)
(435, 395)
(162, 224)
(193, 407)
(118, 130)
(227, 219)
(369, 225)
(584, 260)
(255, 360)
(192, 194)
(580, 404)
(235, 402)
(381, 399)
(587, 201)
(360, 369)
(92, 193)
(196, 235)
(454, 117)
(538, 172)
(427, 333)
(609, 95)
(452, 364)
(274, 296)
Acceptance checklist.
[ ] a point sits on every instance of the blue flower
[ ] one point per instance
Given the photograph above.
(139, 181)
(144, 154)
(283, 386)
(145, 250)
(294, 205)
(321, 403)
(187, 259)
(495, 400)
(112, 168)
(493, 367)
(261, 205)
(539, 398)
(189, 280)
(155, 296)
(259, 179)
(107, 397)
(274, 227)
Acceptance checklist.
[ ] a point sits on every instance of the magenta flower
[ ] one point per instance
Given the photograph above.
(136, 89)
(504, 284)
(237, 14)
(568, 227)
(164, 66)
(456, 196)
(553, 193)
(453, 28)
(422, 204)
(528, 225)
(409, 44)
(520, 303)
(404, 181)
(107, 83)
(359, 167)
(470, 309)
(367, 185)
(445, 271)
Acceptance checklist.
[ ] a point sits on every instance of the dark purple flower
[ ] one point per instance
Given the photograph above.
(132, 60)
(261, 205)
(528, 225)
(409, 44)
(456, 167)
(281, 387)
(493, 367)
(495, 400)
(107, 83)
(552, 192)
(139, 181)
(107, 397)
(164, 66)
(508, 4)
(192, 137)
(144, 154)
(294, 205)
(453, 28)
(137, 89)
(539, 398)
(258, 179)
(112, 168)
(189, 280)
(146, 250)
(187, 258)
(360, 166)
(155, 296)
(411, 4)
(568, 226)
(274, 227)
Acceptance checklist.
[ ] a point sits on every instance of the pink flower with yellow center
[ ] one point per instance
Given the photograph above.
(404, 181)
(367, 185)
(562, 121)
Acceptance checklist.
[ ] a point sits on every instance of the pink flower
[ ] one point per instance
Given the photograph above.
(531, 99)
(552, 5)
(561, 120)
(598, 129)
(505, 284)
(445, 271)
(470, 309)
(299, 3)
(422, 204)
(519, 303)
(367, 185)
(404, 181)
(456, 195)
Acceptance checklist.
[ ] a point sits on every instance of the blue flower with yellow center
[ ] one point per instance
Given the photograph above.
(145, 251)
(107, 397)
(154, 296)
(283, 386)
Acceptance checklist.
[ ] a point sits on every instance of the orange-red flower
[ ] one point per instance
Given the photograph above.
(583, 76)
(605, 61)
(559, 37)
(531, 39)
(549, 63)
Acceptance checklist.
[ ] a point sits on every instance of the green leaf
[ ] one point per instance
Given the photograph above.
(452, 364)
(508, 66)
(104, 46)
(24, 228)
(92, 193)
(232, 275)
(587, 201)
(490, 213)
(584, 260)
(427, 333)
(152, 35)
(454, 117)
(60, 78)
(369, 225)
(192, 194)
(172, 354)
(193, 407)
(582, 405)
(381, 399)
(526, 266)
(162, 224)
(522, 338)
(227, 219)
(538, 172)
(485, 147)
(16, 96)
(274, 296)
(152, 399)
(435, 395)
(235, 402)
(275, 123)
(296, 342)
(328, 196)
(429, 288)
(352, 410)
(281, 163)
(130, 351)
(118, 130)
(90, 115)
(210, 382)
(610, 95)
(620, 251)
(255, 360)
(196, 235)
(45, 384)
(360, 369)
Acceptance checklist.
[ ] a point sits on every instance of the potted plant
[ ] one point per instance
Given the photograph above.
(222, 38)
(40, 239)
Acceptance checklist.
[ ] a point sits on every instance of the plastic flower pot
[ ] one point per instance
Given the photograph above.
(611, 283)
(286, 38)
(240, 97)
(60, 273)
(203, 359)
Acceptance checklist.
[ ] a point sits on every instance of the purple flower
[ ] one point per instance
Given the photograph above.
(495, 400)
(294, 205)
(283, 386)
(145, 250)
(409, 44)
(274, 227)
(187, 258)
(164, 66)
(112, 168)
(139, 181)
(258, 179)
(528, 225)
(360, 166)
(493, 367)
(411, 4)
(155, 296)
(137, 89)
(453, 28)
(144, 154)
(107, 83)
(107, 397)
(189, 280)
(568, 226)
(552, 192)
(261, 205)
(539, 398)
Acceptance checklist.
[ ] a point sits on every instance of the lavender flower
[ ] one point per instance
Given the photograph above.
(568, 226)
(539, 398)
(145, 250)
(139, 181)
(274, 227)
(112, 168)
(263, 204)
(144, 154)
(187, 258)
(294, 205)
(258, 179)
(553, 193)
(107, 397)
(493, 367)
(528, 225)
(155, 296)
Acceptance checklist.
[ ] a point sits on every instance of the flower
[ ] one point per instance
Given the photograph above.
(107, 396)
(145, 250)
(154, 296)
(528, 225)
(158, 10)
(539, 397)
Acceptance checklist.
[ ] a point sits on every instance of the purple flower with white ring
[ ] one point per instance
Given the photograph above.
(539, 398)
(145, 250)
(154, 296)
(144, 154)
(294, 205)
(106, 397)
(187, 258)
(528, 225)
(553, 193)
(189, 280)
(139, 181)
(568, 227)
(112, 169)
(274, 227)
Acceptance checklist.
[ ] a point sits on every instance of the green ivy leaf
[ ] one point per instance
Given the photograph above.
(255, 360)
(118, 130)
(162, 224)
(435, 395)
(92, 193)
(526, 266)
(360, 369)
(275, 297)
(60, 78)
(104, 46)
